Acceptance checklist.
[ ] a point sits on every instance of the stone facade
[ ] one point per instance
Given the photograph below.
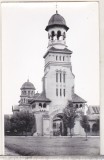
(58, 84)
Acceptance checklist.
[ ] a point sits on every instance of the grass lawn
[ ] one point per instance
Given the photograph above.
(53, 146)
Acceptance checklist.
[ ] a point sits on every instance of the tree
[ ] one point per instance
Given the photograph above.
(22, 121)
(85, 124)
(69, 116)
(7, 124)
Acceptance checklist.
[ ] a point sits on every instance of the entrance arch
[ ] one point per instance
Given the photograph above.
(59, 128)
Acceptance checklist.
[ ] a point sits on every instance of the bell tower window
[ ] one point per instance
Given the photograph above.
(58, 35)
(53, 34)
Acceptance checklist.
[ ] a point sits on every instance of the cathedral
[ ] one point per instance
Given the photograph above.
(58, 85)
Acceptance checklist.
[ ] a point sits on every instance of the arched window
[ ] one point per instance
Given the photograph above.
(63, 58)
(58, 34)
(80, 105)
(56, 76)
(56, 58)
(40, 104)
(60, 58)
(64, 92)
(44, 105)
(53, 34)
(64, 77)
(64, 35)
(34, 105)
(76, 105)
(60, 77)
(28, 93)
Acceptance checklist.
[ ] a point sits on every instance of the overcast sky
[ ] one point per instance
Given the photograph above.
(24, 42)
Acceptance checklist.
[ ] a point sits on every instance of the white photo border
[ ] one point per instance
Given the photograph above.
(101, 66)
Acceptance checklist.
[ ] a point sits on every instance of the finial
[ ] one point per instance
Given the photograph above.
(56, 8)
(28, 79)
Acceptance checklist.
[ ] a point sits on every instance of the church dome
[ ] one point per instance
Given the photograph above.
(56, 20)
(28, 85)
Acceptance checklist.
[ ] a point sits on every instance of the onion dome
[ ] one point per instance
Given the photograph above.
(28, 85)
(56, 20)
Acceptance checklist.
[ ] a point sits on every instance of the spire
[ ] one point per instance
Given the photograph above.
(56, 8)
(28, 79)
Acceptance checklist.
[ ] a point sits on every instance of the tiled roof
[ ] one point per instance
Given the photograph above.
(41, 98)
(15, 108)
(56, 20)
(77, 99)
(93, 110)
(55, 50)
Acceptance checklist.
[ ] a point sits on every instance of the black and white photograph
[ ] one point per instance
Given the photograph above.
(50, 78)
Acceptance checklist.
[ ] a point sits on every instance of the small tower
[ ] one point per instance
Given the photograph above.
(57, 29)
(27, 93)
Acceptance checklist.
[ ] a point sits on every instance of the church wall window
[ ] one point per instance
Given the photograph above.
(24, 100)
(60, 77)
(31, 92)
(64, 77)
(64, 92)
(24, 92)
(44, 105)
(63, 58)
(60, 58)
(80, 105)
(60, 92)
(76, 105)
(56, 91)
(40, 104)
(56, 58)
(34, 106)
(28, 93)
(56, 76)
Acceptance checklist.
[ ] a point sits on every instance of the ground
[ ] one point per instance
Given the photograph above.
(43, 146)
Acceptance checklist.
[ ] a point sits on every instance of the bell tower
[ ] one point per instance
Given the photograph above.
(58, 79)
(57, 29)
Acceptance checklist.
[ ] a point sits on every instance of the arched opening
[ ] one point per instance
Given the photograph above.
(76, 105)
(58, 34)
(40, 104)
(64, 35)
(52, 34)
(44, 105)
(33, 106)
(80, 105)
(59, 128)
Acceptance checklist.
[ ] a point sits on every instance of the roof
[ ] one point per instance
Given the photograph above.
(28, 85)
(40, 98)
(55, 50)
(94, 109)
(15, 108)
(56, 20)
(77, 99)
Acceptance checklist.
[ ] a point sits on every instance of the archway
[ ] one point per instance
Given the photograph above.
(59, 128)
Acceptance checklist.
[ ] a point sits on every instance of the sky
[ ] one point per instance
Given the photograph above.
(25, 41)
